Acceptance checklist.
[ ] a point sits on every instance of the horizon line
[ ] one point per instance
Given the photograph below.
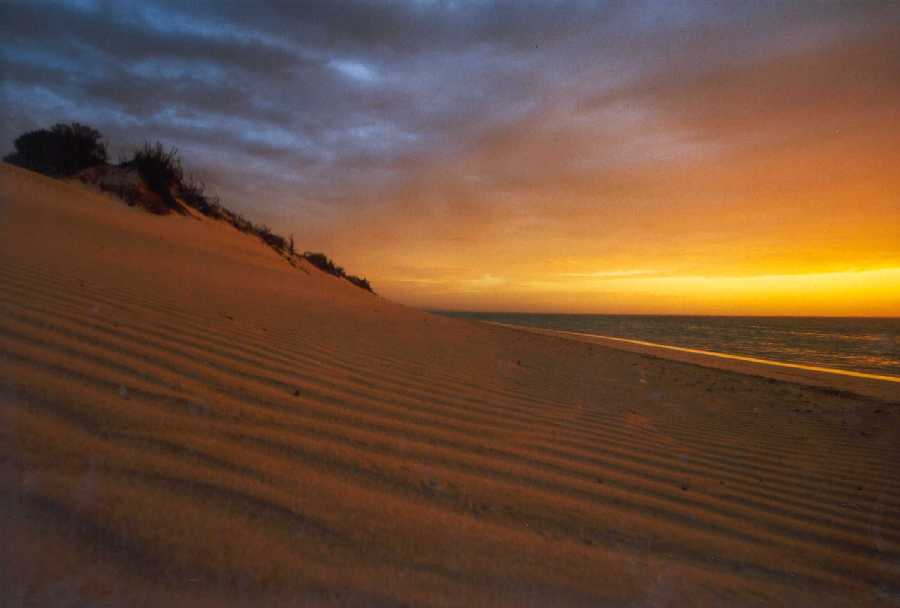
(655, 314)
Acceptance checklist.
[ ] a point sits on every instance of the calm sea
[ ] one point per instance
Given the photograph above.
(870, 345)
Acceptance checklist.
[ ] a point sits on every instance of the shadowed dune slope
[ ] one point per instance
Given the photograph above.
(187, 419)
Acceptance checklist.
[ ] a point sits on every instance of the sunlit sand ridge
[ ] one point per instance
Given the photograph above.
(188, 419)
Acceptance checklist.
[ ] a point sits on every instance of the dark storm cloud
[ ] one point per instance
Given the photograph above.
(289, 105)
(340, 74)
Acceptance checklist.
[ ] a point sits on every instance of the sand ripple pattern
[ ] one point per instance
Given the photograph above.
(166, 443)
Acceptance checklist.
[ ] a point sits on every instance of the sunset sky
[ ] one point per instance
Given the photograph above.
(645, 157)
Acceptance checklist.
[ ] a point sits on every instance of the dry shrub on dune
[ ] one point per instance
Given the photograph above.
(60, 151)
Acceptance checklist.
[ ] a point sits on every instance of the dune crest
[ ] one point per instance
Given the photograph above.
(188, 419)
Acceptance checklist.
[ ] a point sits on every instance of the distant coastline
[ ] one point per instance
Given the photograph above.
(812, 368)
(863, 347)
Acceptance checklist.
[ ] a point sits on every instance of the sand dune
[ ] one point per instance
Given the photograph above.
(189, 420)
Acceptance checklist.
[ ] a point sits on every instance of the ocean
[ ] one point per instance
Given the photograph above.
(866, 345)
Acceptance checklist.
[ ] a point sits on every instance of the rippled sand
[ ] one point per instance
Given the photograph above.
(186, 419)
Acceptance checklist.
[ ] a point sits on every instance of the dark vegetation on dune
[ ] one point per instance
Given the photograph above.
(60, 151)
(325, 264)
(76, 150)
(160, 170)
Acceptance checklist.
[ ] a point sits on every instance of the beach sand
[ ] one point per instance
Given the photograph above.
(187, 419)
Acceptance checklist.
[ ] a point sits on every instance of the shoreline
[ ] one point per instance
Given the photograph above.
(886, 388)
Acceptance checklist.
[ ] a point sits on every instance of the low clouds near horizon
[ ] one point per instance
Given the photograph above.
(476, 154)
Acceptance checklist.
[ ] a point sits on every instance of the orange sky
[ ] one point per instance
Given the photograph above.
(768, 188)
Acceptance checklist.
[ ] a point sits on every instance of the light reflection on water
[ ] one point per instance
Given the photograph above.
(870, 345)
